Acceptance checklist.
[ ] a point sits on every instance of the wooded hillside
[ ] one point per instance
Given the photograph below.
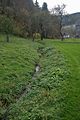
(19, 4)
(71, 18)
(29, 19)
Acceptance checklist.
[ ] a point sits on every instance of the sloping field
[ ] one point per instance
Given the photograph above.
(71, 50)
(53, 93)
(17, 65)
(45, 99)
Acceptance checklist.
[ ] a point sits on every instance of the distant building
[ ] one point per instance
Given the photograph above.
(69, 31)
(77, 27)
(66, 35)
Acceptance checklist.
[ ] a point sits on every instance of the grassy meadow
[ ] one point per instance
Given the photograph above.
(54, 92)
(17, 64)
(71, 50)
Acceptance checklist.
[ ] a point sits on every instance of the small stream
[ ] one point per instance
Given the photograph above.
(37, 69)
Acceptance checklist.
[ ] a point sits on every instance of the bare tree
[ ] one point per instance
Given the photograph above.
(59, 11)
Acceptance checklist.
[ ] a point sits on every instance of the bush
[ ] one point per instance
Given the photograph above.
(6, 25)
(36, 35)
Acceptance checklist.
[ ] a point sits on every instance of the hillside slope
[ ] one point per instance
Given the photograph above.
(71, 19)
(17, 65)
(46, 90)
(17, 4)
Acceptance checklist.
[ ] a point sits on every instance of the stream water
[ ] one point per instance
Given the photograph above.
(37, 69)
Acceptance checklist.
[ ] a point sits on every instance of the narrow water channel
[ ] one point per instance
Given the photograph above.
(37, 69)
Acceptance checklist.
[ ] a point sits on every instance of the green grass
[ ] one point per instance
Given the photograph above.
(45, 100)
(17, 64)
(54, 92)
(71, 50)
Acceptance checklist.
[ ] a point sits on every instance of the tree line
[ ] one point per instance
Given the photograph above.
(27, 19)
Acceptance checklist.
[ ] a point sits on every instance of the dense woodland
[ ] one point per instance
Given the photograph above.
(26, 19)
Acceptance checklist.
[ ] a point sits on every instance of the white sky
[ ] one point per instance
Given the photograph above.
(72, 6)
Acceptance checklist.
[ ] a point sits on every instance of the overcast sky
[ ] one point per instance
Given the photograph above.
(72, 6)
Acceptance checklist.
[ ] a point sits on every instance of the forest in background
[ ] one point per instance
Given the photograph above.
(27, 19)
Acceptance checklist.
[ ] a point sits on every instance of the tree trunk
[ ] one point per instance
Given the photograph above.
(33, 37)
(41, 27)
(41, 36)
(61, 36)
(7, 38)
